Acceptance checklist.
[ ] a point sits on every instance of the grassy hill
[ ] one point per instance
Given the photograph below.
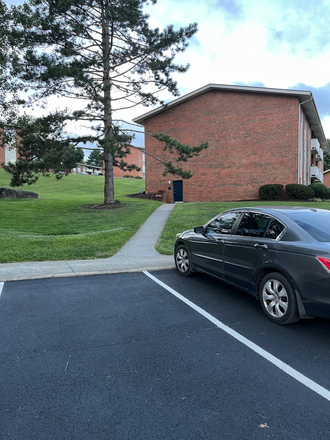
(57, 227)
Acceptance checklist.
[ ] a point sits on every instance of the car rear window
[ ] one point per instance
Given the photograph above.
(275, 230)
(253, 224)
(316, 223)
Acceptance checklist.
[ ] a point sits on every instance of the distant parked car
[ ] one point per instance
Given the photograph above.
(281, 255)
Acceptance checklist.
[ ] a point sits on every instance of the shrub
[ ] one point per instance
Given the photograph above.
(298, 191)
(271, 191)
(100, 174)
(321, 191)
(138, 177)
(126, 176)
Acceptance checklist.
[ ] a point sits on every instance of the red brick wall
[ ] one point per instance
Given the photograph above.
(326, 179)
(136, 158)
(253, 141)
(2, 156)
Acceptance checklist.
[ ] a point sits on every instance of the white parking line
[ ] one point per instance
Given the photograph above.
(1, 287)
(277, 362)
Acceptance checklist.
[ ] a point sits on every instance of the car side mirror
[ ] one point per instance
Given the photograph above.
(198, 229)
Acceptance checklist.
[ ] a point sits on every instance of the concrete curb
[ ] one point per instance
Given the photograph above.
(85, 274)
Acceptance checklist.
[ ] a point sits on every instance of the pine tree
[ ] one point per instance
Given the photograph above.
(95, 158)
(104, 54)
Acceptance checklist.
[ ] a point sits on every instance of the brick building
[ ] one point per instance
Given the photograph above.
(7, 155)
(137, 158)
(326, 178)
(256, 136)
(92, 170)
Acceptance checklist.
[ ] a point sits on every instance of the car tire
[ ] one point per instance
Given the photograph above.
(278, 299)
(183, 261)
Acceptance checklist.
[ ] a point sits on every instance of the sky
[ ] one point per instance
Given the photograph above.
(268, 43)
(271, 43)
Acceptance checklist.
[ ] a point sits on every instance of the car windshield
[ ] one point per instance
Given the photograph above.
(316, 223)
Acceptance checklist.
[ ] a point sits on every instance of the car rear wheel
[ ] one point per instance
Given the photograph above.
(182, 261)
(278, 299)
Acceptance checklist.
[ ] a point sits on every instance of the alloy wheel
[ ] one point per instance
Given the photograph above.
(182, 260)
(275, 298)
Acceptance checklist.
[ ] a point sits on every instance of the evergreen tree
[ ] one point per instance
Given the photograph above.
(10, 49)
(95, 158)
(104, 54)
(72, 158)
(326, 159)
(41, 149)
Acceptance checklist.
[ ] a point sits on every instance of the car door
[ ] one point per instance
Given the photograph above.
(207, 248)
(253, 244)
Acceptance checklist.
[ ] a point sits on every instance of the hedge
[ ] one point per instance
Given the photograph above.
(270, 191)
(298, 191)
(321, 191)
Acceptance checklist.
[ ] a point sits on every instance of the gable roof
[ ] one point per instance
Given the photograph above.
(305, 97)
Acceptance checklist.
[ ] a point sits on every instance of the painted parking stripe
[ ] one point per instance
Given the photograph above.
(269, 357)
(1, 287)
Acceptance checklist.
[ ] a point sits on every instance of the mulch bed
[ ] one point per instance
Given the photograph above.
(116, 205)
(138, 196)
(103, 206)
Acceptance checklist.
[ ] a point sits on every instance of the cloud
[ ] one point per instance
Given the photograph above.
(299, 26)
(232, 8)
(321, 97)
(251, 84)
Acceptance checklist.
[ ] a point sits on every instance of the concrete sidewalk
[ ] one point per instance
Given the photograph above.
(137, 254)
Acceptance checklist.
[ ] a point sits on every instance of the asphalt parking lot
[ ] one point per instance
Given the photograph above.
(123, 357)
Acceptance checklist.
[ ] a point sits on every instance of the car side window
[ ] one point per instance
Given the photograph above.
(223, 224)
(274, 230)
(253, 224)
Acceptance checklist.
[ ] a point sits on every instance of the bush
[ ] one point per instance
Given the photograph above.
(271, 191)
(138, 177)
(298, 191)
(321, 191)
(126, 176)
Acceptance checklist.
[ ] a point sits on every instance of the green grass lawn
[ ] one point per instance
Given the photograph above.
(56, 227)
(187, 215)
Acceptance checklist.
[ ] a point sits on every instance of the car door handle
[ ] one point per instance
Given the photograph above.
(220, 240)
(261, 246)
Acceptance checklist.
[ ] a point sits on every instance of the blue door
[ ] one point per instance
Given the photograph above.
(177, 191)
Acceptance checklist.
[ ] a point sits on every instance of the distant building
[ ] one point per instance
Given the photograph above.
(82, 168)
(326, 178)
(137, 158)
(8, 154)
(256, 136)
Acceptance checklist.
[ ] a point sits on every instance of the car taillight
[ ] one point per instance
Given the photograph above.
(325, 262)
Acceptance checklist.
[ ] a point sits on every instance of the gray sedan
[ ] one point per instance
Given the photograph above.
(281, 255)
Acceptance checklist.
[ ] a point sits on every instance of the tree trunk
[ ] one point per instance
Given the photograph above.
(109, 196)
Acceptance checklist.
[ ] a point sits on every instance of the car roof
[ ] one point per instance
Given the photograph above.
(285, 210)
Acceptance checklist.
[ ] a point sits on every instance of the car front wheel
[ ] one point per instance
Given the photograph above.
(278, 299)
(182, 261)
